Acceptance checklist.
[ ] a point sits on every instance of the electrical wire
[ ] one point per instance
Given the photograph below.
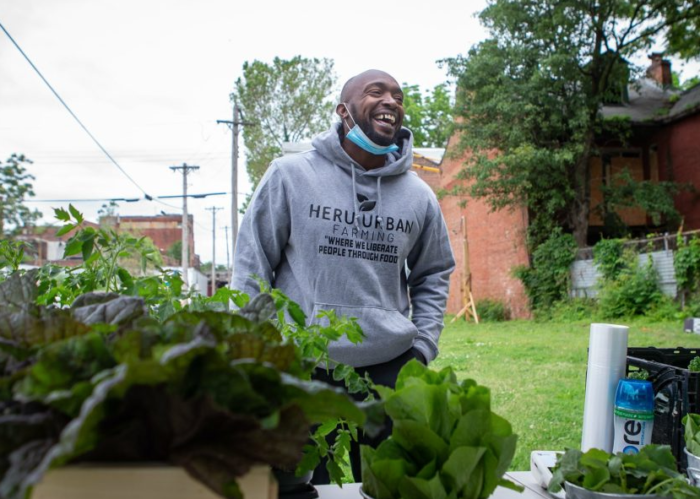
(126, 200)
(146, 195)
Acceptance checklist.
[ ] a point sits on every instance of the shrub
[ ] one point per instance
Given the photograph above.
(634, 291)
(491, 310)
(608, 256)
(686, 264)
(666, 309)
(548, 280)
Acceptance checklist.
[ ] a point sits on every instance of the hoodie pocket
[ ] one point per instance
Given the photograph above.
(388, 334)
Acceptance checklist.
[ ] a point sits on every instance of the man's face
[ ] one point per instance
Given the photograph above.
(376, 103)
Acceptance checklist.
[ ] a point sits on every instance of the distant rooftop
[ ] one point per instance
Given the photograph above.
(649, 102)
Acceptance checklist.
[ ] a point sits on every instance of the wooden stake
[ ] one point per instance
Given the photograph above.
(469, 307)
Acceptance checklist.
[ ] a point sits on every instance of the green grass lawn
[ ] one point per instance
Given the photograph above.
(537, 372)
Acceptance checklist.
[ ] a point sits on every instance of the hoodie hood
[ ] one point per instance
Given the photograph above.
(328, 145)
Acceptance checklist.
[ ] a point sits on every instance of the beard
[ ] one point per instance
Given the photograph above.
(366, 126)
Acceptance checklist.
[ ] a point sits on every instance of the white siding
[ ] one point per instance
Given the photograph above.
(584, 274)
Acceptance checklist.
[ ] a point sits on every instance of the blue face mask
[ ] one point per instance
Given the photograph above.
(359, 138)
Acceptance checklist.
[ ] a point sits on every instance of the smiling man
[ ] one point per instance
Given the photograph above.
(348, 227)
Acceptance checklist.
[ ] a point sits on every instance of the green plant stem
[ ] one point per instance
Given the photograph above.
(658, 485)
(112, 266)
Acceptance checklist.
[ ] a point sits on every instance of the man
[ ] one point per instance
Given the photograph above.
(347, 226)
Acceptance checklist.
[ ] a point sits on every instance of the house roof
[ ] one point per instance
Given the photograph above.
(649, 102)
(689, 101)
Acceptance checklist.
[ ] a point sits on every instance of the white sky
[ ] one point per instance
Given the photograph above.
(150, 78)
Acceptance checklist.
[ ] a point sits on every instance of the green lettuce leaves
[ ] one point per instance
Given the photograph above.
(211, 391)
(445, 442)
(652, 471)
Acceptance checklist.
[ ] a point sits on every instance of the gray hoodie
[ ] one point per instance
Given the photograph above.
(368, 244)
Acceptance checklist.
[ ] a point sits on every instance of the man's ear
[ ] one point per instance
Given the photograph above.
(341, 111)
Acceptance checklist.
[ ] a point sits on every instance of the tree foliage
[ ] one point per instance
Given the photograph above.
(175, 251)
(530, 96)
(428, 114)
(288, 100)
(15, 186)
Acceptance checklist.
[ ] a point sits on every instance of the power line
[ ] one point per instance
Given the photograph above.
(196, 196)
(131, 200)
(125, 200)
(74, 115)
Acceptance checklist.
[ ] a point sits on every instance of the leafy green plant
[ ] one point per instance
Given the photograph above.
(642, 374)
(214, 392)
(686, 263)
(547, 280)
(491, 310)
(694, 365)
(608, 257)
(104, 252)
(654, 197)
(691, 427)
(634, 289)
(445, 441)
(313, 341)
(11, 255)
(652, 471)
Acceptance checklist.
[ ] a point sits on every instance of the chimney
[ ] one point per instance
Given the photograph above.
(660, 70)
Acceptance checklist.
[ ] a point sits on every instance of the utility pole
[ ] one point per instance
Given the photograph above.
(228, 261)
(234, 125)
(185, 168)
(213, 210)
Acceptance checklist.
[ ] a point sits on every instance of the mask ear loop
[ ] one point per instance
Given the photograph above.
(349, 115)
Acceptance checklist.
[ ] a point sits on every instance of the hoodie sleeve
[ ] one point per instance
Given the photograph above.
(430, 263)
(263, 234)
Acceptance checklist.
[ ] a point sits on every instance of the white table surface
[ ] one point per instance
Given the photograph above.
(524, 478)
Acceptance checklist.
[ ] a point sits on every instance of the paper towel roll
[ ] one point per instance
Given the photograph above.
(607, 356)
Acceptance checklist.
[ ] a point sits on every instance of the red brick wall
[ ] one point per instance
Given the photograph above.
(684, 146)
(496, 244)
(164, 230)
(678, 151)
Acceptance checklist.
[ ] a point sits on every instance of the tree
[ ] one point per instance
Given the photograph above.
(289, 100)
(429, 117)
(175, 251)
(15, 185)
(530, 95)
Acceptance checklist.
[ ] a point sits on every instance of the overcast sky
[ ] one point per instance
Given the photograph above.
(150, 78)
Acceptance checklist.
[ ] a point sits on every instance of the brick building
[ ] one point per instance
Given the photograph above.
(43, 245)
(664, 145)
(486, 244)
(164, 230)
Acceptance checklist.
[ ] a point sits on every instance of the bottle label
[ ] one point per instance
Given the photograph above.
(639, 416)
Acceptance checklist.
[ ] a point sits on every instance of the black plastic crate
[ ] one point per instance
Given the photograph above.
(676, 390)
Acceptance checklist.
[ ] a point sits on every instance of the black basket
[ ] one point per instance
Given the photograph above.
(676, 391)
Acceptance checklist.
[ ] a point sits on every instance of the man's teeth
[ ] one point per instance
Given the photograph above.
(387, 117)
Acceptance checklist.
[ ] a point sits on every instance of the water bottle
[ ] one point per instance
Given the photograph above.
(633, 415)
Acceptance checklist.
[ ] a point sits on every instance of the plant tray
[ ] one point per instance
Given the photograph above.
(147, 481)
(676, 389)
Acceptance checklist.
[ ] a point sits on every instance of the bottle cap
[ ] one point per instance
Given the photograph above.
(635, 395)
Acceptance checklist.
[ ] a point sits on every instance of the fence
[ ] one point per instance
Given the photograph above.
(584, 273)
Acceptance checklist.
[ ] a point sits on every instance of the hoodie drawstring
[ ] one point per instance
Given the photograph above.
(356, 202)
(380, 220)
